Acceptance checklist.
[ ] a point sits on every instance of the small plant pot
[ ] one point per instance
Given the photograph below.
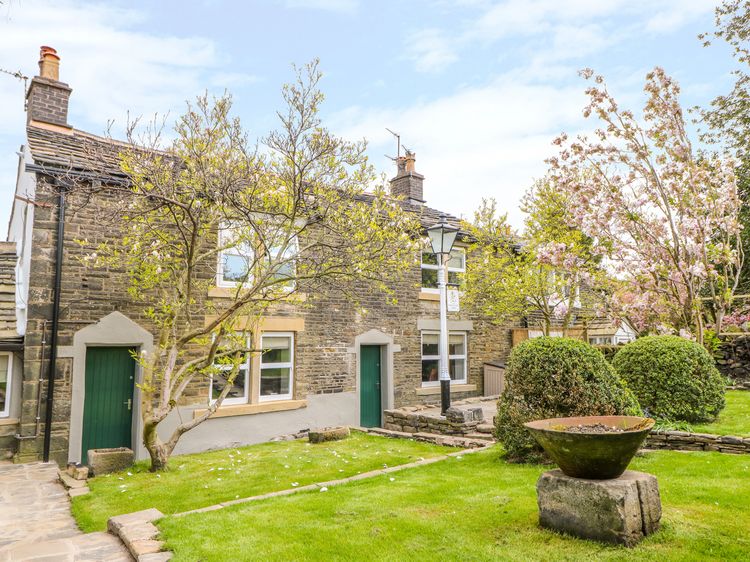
(584, 453)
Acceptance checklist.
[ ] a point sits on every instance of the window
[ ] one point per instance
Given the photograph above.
(456, 267)
(6, 368)
(431, 357)
(224, 366)
(238, 257)
(600, 340)
(285, 266)
(276, 366)
(234, 261)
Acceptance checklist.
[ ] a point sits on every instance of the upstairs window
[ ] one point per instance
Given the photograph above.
(431, 357)
(282, 259)
(456, 268)
(235, 260)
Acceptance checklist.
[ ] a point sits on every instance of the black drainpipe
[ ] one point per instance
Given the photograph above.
(55, 321)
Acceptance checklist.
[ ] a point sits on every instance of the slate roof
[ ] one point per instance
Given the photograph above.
(79, 151)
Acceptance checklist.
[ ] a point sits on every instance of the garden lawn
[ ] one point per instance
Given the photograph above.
(734, 419)
(476, 507)
(205, 479)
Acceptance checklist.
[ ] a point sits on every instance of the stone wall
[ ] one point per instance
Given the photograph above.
(324, 362)
(8, 333)
(8, 261)
(416, 419)
(684, 441)
(733, 360)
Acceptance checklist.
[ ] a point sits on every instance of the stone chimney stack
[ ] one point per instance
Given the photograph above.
(47, 98)
(408, 183)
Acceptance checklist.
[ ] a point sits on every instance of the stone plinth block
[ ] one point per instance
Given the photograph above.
(620, 511)
(328, 434)
(104, 461)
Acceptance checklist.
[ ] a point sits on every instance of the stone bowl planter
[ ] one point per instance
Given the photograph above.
(593, 447)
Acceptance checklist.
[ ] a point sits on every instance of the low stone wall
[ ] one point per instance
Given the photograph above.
(684, 441)
(7, 440)
(733, 360)
(414, 422)
(416, 419)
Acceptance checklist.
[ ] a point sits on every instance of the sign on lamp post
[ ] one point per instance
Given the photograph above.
(442, 236)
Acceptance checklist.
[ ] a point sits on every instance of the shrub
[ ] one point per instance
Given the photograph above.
(555, 377)
(609, 351)
(673, 378)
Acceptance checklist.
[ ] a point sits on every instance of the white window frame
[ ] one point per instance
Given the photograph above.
(5, 412)
(283, 365)
(430, 266)
(220, 282)
(235, 400)
(465, 357)
(294, 248)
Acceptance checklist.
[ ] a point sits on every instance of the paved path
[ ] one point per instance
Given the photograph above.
(36, 524)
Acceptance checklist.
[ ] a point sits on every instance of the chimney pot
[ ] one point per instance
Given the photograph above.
(410, 160)
(408, 182)
(47, 97)
(49, 63)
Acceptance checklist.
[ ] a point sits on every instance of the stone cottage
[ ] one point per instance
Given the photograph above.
(65, 353)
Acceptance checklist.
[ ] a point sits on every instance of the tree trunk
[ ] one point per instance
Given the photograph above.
(157, 450)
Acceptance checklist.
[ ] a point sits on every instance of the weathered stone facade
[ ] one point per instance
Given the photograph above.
(328, 329)
(9, 342)
(324, 362)
(733, 359)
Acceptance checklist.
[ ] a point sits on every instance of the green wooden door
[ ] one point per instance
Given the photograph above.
(370, 409)
(108, 403)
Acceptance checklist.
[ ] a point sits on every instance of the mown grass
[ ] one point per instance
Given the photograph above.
(476, 507)
(733, 420)
(205, 479)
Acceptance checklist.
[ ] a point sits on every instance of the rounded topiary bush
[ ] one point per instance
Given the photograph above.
(673, 378)
(555, 377)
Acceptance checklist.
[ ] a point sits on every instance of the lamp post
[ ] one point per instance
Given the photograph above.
(442, 236)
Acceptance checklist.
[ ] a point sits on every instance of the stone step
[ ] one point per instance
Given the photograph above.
(71, 483)
(481, 436)
(486, 428)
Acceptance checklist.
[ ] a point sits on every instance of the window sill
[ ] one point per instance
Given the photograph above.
(8, 421)
(249, 409)
(428, 296)
(219, 292)
(429, 390)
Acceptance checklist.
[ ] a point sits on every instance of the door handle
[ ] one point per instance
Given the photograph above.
(129, 403)
(377, 385)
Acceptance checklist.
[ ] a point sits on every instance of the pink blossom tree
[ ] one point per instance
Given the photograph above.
(663, 215)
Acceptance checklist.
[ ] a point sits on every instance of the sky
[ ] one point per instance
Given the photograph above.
(478, 89)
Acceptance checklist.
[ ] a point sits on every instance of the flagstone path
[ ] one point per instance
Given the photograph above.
(36, 524)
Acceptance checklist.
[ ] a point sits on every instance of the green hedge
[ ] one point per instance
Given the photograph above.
(673, 378)
(609, 351)
(555, 377)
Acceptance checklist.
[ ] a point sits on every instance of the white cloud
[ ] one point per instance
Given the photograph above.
(341, 6)
(109, 62)
(565, 30)
(477, 142)
(431, 50)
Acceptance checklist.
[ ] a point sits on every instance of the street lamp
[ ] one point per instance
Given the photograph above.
(442, 236)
